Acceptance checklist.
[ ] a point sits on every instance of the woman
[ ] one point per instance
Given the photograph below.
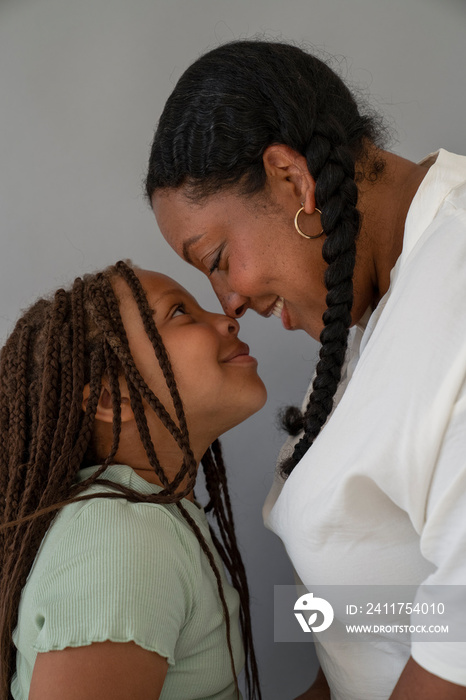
(111, 395)
(265, 175)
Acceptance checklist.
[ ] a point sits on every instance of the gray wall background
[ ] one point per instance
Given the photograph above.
(81, 87)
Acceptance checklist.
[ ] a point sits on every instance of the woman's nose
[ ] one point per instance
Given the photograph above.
(233, 304)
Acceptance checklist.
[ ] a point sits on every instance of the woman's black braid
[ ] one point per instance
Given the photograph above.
(336, 196)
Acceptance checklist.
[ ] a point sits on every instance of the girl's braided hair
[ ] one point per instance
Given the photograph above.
(58, 346)
(226, 109)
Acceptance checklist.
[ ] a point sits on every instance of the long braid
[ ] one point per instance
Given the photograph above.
(17, 432)
(22, 542)
(336, 196)
(56, 348)
(216, 484)
(66, 379)
(115, 393)
(116, 337)
(76, 380)
(49, 404)
(205, 548)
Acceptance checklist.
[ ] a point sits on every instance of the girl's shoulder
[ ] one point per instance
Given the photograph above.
(119, 536)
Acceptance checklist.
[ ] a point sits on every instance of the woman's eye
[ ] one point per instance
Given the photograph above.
(216, 263)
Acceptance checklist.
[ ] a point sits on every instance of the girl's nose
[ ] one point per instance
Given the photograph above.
(226, 324)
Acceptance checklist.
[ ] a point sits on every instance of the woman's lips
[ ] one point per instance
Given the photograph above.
(279, 309)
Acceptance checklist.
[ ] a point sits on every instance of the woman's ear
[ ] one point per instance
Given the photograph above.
(287, 169)
(104, 411)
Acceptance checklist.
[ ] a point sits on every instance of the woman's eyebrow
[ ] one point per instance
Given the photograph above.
(187, 245)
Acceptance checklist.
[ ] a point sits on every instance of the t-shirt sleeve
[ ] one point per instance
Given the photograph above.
(443, 542)
(119, 573)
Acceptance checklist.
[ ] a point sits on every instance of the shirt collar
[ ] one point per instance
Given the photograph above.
(446, 171)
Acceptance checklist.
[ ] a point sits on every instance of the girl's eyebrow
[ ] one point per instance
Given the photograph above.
(166, 293)
(153, 306)
(187, 245)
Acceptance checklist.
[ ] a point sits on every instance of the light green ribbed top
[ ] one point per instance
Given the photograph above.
(120, 571)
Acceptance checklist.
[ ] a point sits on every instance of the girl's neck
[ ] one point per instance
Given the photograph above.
(148, 474)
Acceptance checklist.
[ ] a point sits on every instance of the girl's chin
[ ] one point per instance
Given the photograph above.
(249, 410)
(218, 425)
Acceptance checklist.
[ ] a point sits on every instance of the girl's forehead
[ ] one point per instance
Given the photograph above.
(156, 287)
(156, 284)
(151, 280)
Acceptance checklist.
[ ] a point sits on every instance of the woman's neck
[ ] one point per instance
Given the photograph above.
(384, 206)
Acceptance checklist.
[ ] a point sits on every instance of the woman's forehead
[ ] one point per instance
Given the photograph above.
(179, 217)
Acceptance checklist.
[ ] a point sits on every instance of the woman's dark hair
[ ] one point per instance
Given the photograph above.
(57, 347)
(226, 109)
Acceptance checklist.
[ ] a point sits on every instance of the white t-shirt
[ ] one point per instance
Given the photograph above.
(380, 497)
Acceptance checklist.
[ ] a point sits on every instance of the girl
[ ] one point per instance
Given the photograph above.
(112, 583)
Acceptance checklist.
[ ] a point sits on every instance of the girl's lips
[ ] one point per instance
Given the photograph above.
(243, 360)
(240, 355)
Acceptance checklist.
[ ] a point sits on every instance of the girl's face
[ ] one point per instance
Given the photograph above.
(215, 374)
(251, 253)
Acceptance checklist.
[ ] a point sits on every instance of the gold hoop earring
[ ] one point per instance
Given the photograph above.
(301, 233)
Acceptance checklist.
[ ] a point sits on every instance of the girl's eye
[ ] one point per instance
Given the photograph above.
(179, 310)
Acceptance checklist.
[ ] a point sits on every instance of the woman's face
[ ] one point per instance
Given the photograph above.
(215, 374)
(251, 252)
